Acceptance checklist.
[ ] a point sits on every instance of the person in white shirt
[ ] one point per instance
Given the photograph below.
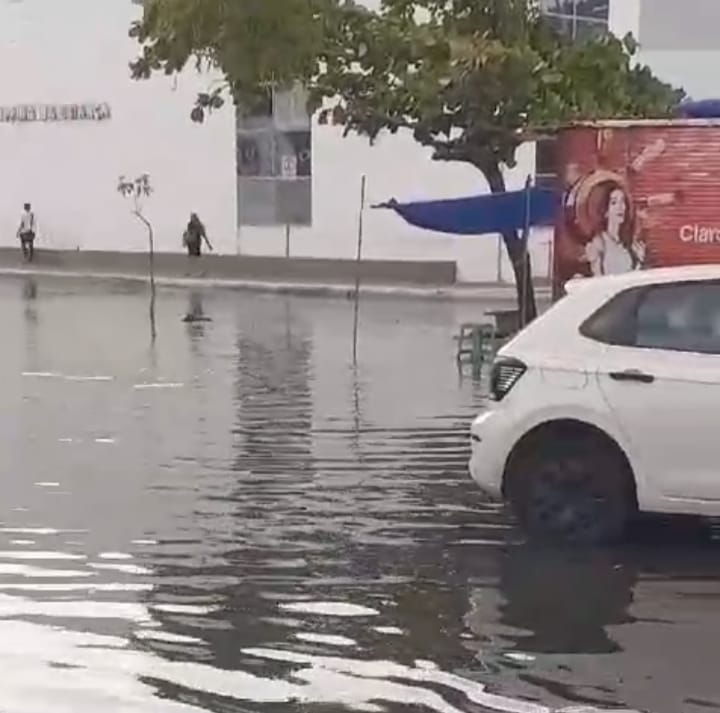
(614, 249)
(27, 232)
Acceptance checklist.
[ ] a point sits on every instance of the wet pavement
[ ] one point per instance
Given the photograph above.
(236, 519)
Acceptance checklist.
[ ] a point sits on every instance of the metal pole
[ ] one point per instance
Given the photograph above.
(358, 263)
(551, 260)
(287, 241)
(499, 259)
(526, 239)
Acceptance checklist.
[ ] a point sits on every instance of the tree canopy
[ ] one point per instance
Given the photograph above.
(473, 79)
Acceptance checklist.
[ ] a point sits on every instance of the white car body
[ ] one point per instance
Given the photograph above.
(669, 430)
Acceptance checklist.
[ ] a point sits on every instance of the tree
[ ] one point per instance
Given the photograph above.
(471, 79)
(138, 190)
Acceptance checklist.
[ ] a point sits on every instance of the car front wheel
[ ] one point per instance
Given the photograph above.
(574, 491)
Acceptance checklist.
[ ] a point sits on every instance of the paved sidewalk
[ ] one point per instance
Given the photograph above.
(472, 292)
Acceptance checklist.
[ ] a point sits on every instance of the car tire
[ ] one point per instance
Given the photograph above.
(575, 491)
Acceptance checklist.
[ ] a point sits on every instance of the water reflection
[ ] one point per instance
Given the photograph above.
(30, 315)
(263, 527)
(29, 289)
(567, 603)
(196, 312)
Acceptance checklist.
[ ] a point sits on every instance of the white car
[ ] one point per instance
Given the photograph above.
(606, 405)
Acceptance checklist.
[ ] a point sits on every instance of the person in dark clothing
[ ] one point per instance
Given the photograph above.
(26, 233)
(194, 235)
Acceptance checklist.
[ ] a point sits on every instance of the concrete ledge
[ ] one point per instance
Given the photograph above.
(500, 293)
(230, 267)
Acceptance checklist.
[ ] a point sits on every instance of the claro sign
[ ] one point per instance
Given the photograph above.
(700, 234)
(33, 113)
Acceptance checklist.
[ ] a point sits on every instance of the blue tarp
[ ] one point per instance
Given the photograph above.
(703, 109)
(493, 213)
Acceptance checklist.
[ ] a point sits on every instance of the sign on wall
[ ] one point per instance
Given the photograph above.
(274, 161)
(637, 196)
(24, 113)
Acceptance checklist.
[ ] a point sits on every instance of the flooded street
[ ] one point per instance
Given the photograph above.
(237, 520)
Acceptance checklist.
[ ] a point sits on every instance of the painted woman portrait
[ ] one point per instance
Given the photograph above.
(601, 223)
(614, 248)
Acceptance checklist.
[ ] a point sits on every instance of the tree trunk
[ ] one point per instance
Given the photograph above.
(517, 251)
(151, 269)
(153, 328)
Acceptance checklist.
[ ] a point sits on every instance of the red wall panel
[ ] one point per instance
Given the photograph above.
(669, 178)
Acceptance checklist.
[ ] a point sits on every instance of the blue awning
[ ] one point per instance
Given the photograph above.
(490, 213)
(703, 109)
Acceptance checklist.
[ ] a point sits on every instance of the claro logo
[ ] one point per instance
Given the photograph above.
(700, 234)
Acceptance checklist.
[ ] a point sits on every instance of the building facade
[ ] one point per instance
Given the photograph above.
(72, 122)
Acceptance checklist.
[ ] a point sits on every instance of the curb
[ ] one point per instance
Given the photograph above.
(346, 291)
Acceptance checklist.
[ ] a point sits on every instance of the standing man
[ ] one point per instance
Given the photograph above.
(26, 233)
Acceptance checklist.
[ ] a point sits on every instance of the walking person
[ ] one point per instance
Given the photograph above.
(194, 235)
(27, 232)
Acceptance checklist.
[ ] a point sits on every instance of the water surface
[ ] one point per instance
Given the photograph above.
(237, 519)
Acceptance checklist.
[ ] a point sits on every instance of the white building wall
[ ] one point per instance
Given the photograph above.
(624, 17)
(78, 51)
(681, 42)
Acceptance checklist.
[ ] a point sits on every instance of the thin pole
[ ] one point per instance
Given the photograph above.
(499, 258)
(287, 240)
(551, 261)
(358, 262)
(525, 236)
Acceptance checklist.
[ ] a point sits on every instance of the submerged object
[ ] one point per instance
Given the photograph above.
(190, 318)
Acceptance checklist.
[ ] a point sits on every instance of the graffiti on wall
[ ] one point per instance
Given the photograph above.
(24, 113)
(637, 197)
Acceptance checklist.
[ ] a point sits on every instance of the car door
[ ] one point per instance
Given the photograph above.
(662, 383)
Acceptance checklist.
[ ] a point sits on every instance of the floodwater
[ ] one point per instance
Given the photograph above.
(239, 520)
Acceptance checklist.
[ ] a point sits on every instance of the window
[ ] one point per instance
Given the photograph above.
(616, 321)
(674, 317)
(578, 20)
(546, 163)
(562, 24)
(558, 7)
(593, 9)
(586, 30)
(683, 317)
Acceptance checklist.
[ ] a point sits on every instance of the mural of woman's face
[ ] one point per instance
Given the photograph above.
(617, 208)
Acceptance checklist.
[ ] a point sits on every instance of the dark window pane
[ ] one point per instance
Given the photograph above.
(257, 202)
(615, 322)
(596, 9)
(255, 154)
(589, 30)
(262, 106)
(682, 317)
(559, 7)
(294, 202)
(563, 25)
(546, 156)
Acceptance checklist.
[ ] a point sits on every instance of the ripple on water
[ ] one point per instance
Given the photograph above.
(341, 609)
